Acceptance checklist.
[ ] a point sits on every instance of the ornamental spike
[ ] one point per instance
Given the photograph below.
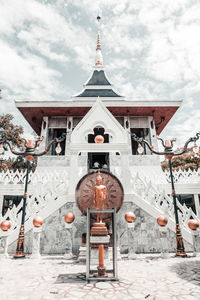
(98, 58)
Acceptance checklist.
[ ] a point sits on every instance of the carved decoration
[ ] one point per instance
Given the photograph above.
(84, 192)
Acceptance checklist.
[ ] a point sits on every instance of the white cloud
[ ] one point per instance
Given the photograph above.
(26, 74)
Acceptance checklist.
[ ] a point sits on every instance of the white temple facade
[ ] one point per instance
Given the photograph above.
(99, 110)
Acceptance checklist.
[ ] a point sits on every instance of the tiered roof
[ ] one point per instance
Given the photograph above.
(98, 84)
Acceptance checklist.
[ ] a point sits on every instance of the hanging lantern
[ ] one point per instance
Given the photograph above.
(193, 224)
(140, 149)
(162, 221)
(130, 217)
(5, 225)
(99, 139)
(37, 221)
(195, 150)
(58, 149)
(69, 217)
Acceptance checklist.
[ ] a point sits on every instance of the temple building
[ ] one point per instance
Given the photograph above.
(98, 110)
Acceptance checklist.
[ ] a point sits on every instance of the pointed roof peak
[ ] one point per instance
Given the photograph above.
(99, 57)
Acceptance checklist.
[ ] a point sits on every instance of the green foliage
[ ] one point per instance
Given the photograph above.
(19, 164)
(13, 133)
(183, 162)
(10, 131)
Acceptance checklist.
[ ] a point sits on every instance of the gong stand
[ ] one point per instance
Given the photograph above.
(110, 274)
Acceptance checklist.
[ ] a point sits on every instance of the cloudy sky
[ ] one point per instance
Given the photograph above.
(151, 51)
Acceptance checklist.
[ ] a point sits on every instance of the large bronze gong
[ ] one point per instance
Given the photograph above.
(85, 187)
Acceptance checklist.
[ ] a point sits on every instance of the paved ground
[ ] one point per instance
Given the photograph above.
(148, 277)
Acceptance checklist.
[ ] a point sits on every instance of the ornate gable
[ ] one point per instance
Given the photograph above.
(99, 116)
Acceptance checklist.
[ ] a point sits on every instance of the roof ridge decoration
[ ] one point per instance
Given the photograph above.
(98, 57)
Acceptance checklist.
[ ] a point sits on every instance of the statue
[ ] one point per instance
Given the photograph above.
(99, 196)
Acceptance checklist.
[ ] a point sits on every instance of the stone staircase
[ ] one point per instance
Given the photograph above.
(49, 192)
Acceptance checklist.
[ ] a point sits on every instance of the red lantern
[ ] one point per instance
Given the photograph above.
(193, 224)
(5, 225)
(69, 217)
(99, 139)
(130, 217)
(37, 221)
(162, 221)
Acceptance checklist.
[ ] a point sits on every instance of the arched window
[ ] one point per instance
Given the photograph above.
(98, 131)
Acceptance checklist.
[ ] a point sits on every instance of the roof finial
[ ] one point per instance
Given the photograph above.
(98, 58)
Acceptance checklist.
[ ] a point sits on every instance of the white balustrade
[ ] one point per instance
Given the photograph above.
(184, 176)
(49, 187)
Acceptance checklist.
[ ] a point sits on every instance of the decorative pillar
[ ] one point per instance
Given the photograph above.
(152, 128)
(194, 225)
(69, 219)
(130, 218)
(4, 245)
(162, 222)
(69, 132)
(127, 128)
(37, 222)
(5, 226)
(36, 243)
(44, 134)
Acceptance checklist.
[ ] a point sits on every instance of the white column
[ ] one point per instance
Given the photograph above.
(4, 245)
(127, 128)
(131, 246)
(68, 137)
(36, 243)
(154, 141)
(44, 134)
(68, 250)
(195, 239)
(197, 204)
(164, 242)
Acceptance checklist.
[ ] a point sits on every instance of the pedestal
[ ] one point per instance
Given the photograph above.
(36, 243)
(164, 242)
(131, 250)
(68, 250)
(195, 238)
(99, 229)
(4, 246)
(98, 235)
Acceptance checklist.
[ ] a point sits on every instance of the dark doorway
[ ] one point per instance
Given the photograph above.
(98, 161)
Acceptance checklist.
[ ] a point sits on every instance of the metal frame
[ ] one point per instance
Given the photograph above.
(114, 248)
